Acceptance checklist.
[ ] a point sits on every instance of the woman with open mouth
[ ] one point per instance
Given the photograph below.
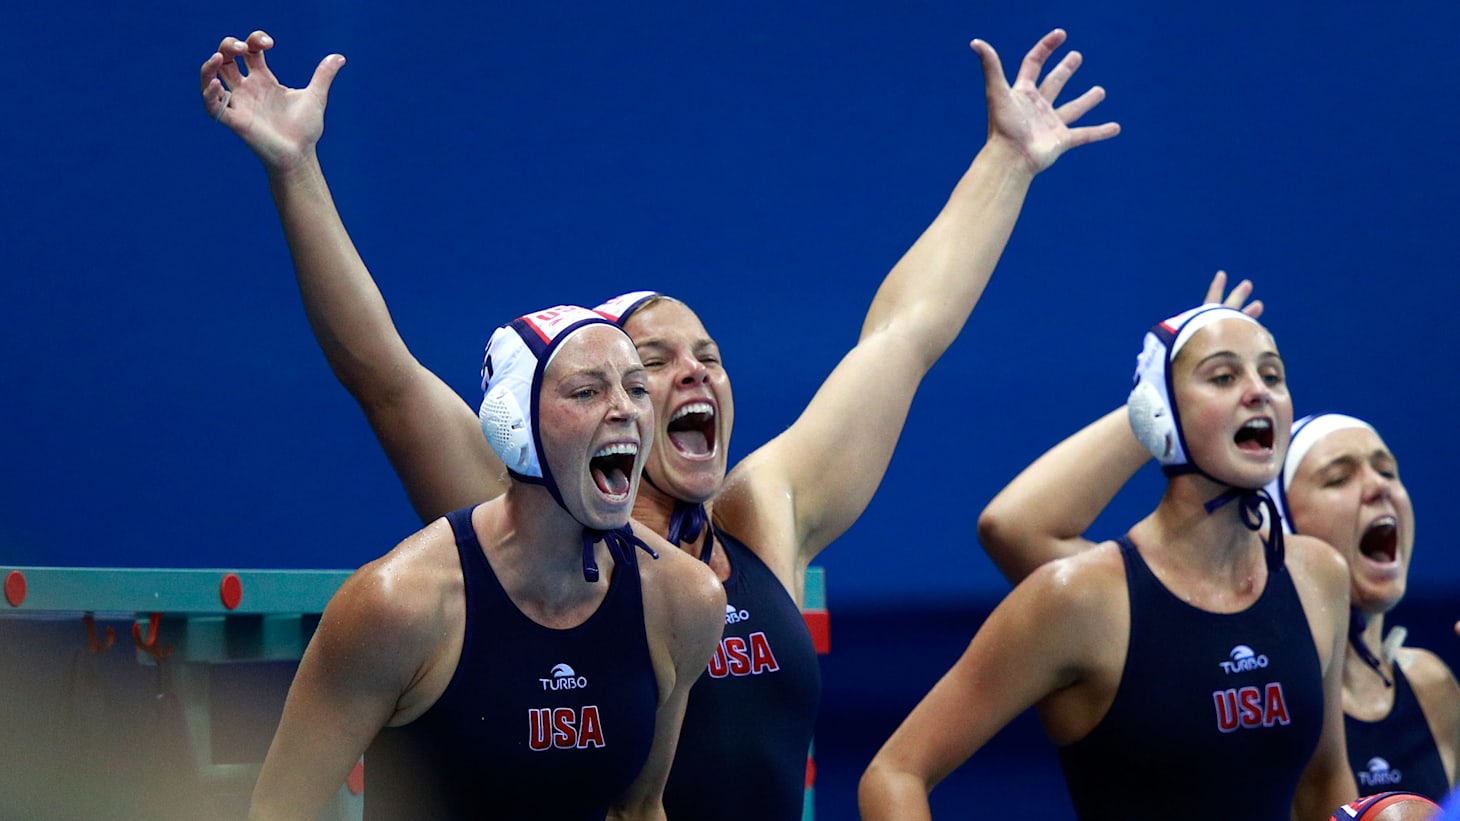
(1190, 668)
(758, 526)
(525, 657)
(1341, 484)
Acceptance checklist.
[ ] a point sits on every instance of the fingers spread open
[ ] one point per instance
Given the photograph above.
(1239, 294)
(1092, 134)
(1215, 289)
(253, 57)
(1055, 81)
(1081, 105)
(1034, 61)
(260, 41)
(215, 99)
(231, 48)
(208, 74)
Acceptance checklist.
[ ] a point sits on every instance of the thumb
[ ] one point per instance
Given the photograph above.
(324, 75)
(993, 70)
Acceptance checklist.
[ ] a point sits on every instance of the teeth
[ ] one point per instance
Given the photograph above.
(1383, 521)
(621, 448)
(1259, 424)
(693, 407)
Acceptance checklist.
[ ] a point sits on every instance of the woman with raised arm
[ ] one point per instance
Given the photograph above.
(758, 525)
(1340, 483)
(1193, 654)
(517, 658)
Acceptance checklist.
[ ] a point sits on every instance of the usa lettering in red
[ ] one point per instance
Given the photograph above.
(1248, 707)
(743, 656)
(564, 728)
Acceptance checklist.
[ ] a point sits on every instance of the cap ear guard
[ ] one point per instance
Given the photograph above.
(517, 355)
(1152, 417)
(507, 429)
(1152, 422)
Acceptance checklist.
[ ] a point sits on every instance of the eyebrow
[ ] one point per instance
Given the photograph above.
(600, 372)
(659, 342)
(1261, 357)
(1350, 458)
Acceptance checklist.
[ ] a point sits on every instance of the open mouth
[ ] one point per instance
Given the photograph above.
(692, 429)
(1255, 435)
(1380, 542)
(611, 468)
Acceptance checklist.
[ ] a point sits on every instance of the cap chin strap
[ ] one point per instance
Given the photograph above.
(1356, 623)
(687, 522)
(621, 540)
(1252, 501)
(621, 543)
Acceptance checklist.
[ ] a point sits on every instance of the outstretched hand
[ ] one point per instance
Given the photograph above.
(1024, 114)
(1237, 299)
(280, 124)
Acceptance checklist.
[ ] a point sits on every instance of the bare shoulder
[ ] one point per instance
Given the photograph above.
(1427, 672)
(1071, 616)
(757, 505)
(404, 598)
(684, 587)
(1087, 586)
(1316, 563)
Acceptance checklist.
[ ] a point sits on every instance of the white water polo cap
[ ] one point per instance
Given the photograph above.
(1154, 417)
(688, 519)
(621, 307)
(1307, 432)
(517, 356)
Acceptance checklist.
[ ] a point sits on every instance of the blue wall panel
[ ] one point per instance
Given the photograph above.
(767, 162)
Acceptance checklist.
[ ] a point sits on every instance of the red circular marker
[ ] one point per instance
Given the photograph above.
(15, 588)
(231, 591)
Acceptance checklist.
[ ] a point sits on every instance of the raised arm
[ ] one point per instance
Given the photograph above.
(1044, 513)
(430, 434)
(832, 459)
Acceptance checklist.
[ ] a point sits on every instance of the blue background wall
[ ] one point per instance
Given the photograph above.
(765, 161)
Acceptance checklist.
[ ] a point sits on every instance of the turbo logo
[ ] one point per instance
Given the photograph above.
(563, 678)
(1243, 660)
